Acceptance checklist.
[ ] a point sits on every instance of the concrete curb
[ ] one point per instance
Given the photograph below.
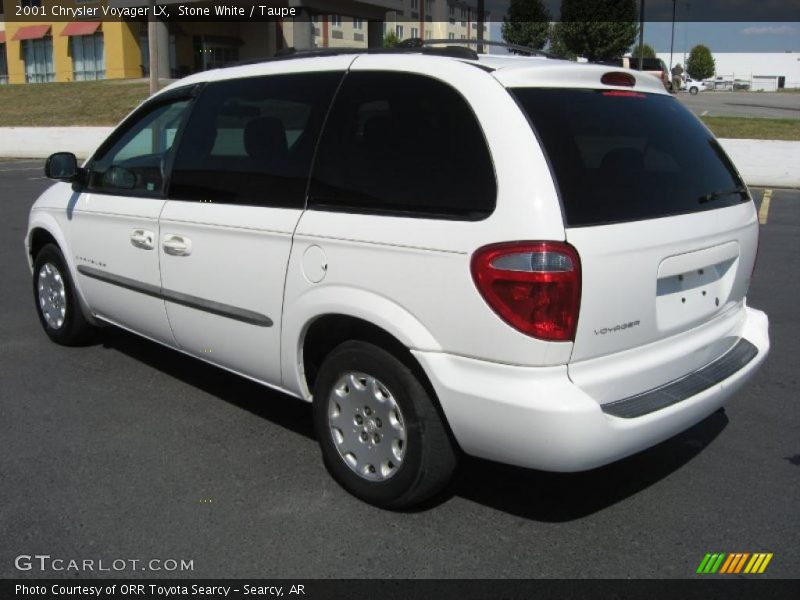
(761, 162)
(766, 162)
(41, 142)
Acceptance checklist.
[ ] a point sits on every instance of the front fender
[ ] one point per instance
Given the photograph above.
(48, 220)
(352, 302)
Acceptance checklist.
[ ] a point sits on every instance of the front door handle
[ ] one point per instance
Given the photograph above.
(141, 238)
(177, 245)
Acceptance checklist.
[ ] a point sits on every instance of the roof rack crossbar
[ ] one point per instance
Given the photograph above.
(420, 43)
(292, 53)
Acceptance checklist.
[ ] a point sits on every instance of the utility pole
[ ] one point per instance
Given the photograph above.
(672, 41)
(641, 34)
(481, 19)
(152, 48)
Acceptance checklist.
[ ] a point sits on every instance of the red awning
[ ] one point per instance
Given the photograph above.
(2, 37)
(32, 32)
(80, 28)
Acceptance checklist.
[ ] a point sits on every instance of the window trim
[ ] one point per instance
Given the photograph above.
(190, 93)
(321, 206)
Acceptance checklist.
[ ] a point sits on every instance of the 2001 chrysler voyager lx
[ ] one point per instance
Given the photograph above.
(534, 261)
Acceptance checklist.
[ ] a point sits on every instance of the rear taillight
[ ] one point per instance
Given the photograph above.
(533, 286)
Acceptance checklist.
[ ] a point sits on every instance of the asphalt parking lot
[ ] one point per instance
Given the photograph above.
(784, 105)
(126, 450)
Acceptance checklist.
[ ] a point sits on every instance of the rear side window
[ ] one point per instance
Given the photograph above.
(251, 141)
(403, 144)
(626, 156)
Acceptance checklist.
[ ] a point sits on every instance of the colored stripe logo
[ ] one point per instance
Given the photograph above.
(735, 562)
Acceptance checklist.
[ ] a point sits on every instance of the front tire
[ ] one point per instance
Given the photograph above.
(57, 301)
(693, 91)
(379, 431)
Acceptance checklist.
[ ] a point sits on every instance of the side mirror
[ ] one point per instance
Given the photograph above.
(62, 166)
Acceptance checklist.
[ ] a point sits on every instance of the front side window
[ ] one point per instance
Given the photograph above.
(136, 162)
(403, 144)
(39, 60)
(251, 141)
(88, 57)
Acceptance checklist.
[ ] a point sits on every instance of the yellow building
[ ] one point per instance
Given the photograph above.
(40, 51)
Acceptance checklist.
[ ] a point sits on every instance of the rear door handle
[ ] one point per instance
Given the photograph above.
(177, 245)
(141, 238)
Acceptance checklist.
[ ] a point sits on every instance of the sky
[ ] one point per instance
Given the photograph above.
(720, 37)
(725, 37)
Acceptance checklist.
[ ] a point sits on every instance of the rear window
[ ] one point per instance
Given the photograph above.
(626, 156)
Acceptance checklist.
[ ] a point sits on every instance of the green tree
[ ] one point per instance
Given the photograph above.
(700, 64)
(645, 51)
(598, 29)
(391, 40)
(527, 23)
(556, 44)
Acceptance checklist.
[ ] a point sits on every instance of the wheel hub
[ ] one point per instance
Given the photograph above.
(52, 295)
(367, 426)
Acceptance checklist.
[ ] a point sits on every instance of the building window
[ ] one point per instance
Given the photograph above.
(452, 11)
(336, 20)
(427, 35)
(39, 60)
(451, 36)
(414, 32)
(144, 53)
(215, 52)
(88, 57)
(358, 24)
(3, 65)
(399, 31)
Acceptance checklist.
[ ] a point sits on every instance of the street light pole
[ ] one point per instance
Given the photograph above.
(641, 34)
(672, 40)
(152, 48)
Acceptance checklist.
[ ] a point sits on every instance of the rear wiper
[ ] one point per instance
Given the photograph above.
(741, 191)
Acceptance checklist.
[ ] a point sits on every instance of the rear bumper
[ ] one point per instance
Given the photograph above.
(538, 418)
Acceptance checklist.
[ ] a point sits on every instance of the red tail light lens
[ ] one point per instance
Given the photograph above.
(533, 286)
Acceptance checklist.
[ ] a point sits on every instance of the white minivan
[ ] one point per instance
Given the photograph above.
(529, 260)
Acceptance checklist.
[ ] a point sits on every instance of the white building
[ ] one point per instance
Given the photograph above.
(764, 70)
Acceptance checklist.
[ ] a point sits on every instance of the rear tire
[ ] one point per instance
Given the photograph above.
(380, 434)
(57, 301)
(693, 91)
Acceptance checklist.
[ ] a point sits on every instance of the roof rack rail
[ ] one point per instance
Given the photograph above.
(292, 53)
(420, 43)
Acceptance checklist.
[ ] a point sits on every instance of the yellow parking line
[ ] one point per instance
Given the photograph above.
(764, 210)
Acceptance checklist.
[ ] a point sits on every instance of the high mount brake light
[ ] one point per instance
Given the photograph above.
(533, 286)
(624, 94)
(618, 78)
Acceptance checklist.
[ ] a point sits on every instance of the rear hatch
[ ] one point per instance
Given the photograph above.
(663, 224)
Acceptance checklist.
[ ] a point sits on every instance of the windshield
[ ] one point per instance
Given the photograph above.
(626, 156)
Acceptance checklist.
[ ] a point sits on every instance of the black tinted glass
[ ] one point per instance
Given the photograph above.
(626, 156)
(251, 141)
(136, 161)
(398, 143)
